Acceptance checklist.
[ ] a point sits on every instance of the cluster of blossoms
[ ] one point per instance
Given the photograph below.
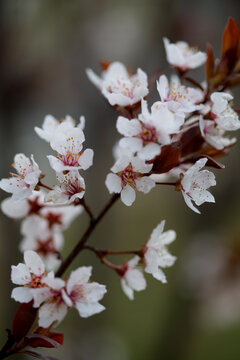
(56, 294)
(167, 142)
(145, 135)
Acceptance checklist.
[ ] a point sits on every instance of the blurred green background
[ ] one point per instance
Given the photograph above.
(45, 49)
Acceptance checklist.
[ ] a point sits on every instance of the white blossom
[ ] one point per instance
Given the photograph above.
(162, 119)
(83, 294)
(214, 135)
(30, 276)
(18, 209)
(225, 117)
(60, 217)
(179, 98)
(71, 187)
(127, 177)
(54, 309)
(51, 124)
(68, 143)
(181, 55)
(156, 255)
(77, 293)
(118, 86)
(133, 278)
(22, 184)
(47, 242)
(194, 184)
(146, 135)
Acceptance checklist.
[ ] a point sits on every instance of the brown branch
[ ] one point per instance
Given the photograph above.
(94, 222)
(105, 252)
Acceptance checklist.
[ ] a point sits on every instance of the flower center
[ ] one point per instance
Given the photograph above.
(46, 247)
(36, 282)
(72, 188)
(128, 176)
(77, 293)
(147, 135)
(123, 86)
(69, 159)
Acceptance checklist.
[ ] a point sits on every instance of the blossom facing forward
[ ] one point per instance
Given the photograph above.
(128, 176)
(77, 293)
(182, 56)
(83, 294)
(71, 187)
(146, 135)
(179, 98)
(194, 184)
(31, 280)
(68, 144)
(118, 86)
(53, 295)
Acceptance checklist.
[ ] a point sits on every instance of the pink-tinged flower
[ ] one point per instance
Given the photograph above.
(71, 187)
(43, 240)
(18, 209)
(118, 86)
(226, 118)
(31, 278)
(132, 278)
(22, 184)
(194, 184)
(82, 294)
(78, 293)
(146, 135)
(214, 135)
(129, 176)
(165, 121)
(182, 56)
(60, 217)
(179, 98)
(68, 143)
(54, 309)
(50, 125)
(156, 255)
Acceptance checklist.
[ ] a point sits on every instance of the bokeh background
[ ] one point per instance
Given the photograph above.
(45, 49)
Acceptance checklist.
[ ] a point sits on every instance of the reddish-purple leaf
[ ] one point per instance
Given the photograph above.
(58, 337)
(191, 141)
(39, 340)
(230, 50)
(168, 159)
(209, 63)
(37, 355)
(211, 162)
(23, 320)
(230, 39)
(215, 153)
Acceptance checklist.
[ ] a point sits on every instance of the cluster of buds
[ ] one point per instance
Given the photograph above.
(168, 142)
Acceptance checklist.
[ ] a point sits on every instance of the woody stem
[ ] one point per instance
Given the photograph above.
(80, 245)
(105, 252)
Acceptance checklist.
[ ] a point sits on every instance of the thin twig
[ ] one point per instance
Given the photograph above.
(105, 252)
(44, 186)
(166, 183)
